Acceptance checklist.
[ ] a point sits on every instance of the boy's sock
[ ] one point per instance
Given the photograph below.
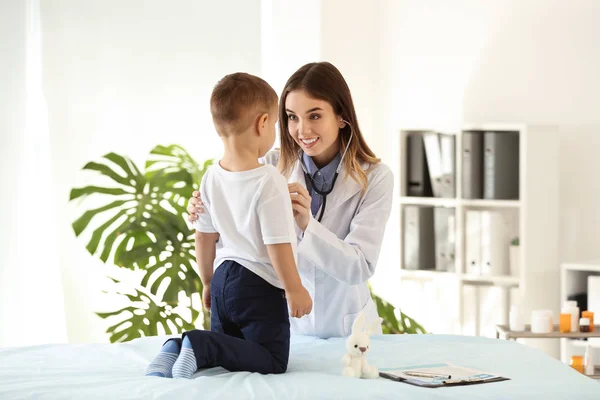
(185, 366)
(163, 362)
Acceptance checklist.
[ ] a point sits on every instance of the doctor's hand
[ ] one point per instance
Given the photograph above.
(195, 206)
(301, 204)
(299, 301)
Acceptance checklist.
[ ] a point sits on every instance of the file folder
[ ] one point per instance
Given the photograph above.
(501, 165)
(445, 248)
(418, 180)
(448, 154)
(419, 239)
(473, 242)
(472, 166)
(494, 244)
(434, 162)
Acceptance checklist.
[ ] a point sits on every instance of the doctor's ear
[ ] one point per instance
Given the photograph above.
(342, 123)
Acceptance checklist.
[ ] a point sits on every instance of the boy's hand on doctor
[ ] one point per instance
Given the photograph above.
(300, 204)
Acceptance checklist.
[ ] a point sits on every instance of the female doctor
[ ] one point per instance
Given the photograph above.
(341, 196)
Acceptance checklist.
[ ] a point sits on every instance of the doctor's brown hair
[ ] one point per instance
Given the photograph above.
(324, 81)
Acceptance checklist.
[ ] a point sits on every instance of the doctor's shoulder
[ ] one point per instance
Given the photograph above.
(379, 174)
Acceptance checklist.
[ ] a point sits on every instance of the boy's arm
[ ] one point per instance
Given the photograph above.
(277, 227)
(282, 258)
(206, 248)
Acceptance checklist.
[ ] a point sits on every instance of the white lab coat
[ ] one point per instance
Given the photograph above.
(337, 256)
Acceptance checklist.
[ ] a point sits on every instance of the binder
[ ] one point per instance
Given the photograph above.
(494, 244)
(473, 242)
(445, 247)
(417, 172)
(472, 167)
(419, 239)
(448, 152)
(434, 162)
(501, 165)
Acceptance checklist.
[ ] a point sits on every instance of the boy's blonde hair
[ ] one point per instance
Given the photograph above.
(237, 100)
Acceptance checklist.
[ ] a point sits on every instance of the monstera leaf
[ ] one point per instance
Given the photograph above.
(174, 159)
(393, 324)
(142, 225)
(135, 215)
(144, 315)
(176, 263)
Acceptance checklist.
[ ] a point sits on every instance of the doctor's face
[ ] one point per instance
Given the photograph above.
(314, 126)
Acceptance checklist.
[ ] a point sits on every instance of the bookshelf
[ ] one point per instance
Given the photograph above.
(533, 217)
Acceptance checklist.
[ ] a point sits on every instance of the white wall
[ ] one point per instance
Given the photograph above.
(124, 77)
(350, 36)
(290, 38)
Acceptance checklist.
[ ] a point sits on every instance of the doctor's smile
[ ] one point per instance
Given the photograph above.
(308, 143)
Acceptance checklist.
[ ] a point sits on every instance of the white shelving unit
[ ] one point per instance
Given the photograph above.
(535, 215)
(573, 281)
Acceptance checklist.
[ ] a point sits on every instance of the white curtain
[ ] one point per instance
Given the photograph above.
(32, 307)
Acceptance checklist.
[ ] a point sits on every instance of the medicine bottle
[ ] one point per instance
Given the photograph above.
(584, 325)
(589, 315)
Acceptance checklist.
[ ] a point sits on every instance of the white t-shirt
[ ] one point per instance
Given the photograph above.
(249, 210)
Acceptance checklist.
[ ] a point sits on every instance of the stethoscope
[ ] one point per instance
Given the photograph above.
(335, 176)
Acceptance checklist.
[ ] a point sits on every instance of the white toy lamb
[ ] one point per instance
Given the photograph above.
(357, 345)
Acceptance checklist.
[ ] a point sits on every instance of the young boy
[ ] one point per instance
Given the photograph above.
(247, 233)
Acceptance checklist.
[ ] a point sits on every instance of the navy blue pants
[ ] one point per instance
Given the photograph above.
(250, 326)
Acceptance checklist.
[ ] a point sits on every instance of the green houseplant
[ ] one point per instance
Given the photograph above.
(394, 320)
(141, 226)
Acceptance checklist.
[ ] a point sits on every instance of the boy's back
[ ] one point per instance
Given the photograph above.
(250, 210)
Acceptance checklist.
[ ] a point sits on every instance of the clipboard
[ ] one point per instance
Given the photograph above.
(439, 375)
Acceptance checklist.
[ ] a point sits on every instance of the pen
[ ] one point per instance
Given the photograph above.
(426, 374)
(466, 380)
